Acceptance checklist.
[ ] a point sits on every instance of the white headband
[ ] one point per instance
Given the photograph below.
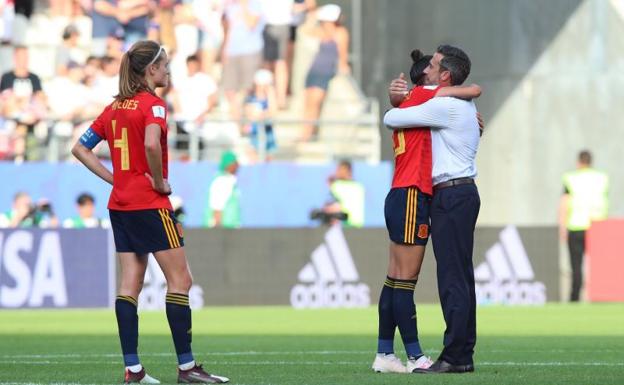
(160, 49)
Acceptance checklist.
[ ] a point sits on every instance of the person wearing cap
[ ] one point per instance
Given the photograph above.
(224, 195)
(260, 107)
(330, 59)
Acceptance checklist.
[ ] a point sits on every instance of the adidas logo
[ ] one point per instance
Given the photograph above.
(506, 276)
(330, 279)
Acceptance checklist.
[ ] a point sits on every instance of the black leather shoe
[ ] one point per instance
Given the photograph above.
(441, 366)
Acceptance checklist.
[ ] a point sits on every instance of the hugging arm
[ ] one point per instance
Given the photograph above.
(433, 113)
(462, 92)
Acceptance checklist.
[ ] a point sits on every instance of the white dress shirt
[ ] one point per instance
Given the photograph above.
(454, 134)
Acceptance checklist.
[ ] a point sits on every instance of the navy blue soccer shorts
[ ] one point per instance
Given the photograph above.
(145, 231)
(407, 216)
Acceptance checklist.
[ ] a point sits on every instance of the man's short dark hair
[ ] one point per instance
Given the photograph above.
(456, 62)
(193, 57)
(85, 198)
(346, 163)
(585, 157)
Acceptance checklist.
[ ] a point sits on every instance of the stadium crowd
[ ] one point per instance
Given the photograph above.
(233, 57)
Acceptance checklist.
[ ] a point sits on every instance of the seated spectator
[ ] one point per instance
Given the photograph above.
(106, 82)
(68, 51)
(24, 214)
(330, 59)
(260, 107)
(24, 103)
(242, 51)
(85, 205)
(67, 113)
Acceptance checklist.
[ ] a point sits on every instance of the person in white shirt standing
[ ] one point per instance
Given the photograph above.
(455, 206)
(278, 15)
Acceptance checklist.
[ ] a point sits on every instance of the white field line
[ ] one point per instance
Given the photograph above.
(328, 363)
(278, 353)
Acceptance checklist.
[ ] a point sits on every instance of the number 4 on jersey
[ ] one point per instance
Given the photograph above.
(122, 145)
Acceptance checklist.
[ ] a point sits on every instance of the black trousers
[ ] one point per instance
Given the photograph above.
(576, 245)
(454, 212)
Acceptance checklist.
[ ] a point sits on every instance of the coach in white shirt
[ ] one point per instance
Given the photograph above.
(455, 204)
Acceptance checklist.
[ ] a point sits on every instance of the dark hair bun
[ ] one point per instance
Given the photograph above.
(416, 55)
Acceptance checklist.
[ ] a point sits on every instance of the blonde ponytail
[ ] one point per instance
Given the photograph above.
(133, 66)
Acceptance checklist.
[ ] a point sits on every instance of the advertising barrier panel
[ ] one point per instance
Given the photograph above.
(605, 261)
(56, 268)
(335, 267)
(304, 268)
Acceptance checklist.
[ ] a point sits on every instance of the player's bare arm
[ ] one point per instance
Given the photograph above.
(153, 153)
(91, 161)
(469, 92)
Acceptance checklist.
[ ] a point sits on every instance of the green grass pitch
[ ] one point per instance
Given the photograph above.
(554, 344)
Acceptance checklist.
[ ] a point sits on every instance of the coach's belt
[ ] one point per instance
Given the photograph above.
(453, 182)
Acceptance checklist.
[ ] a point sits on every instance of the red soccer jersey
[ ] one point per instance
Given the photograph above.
(412, 147)
(122, 125)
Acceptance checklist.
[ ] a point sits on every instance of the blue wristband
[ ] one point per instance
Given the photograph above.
(90, 139)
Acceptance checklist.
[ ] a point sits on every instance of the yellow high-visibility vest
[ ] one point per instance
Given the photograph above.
(350, 196)
(589, 201)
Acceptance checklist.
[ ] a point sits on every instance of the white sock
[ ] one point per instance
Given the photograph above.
(135, 368)
(385, 355)
(187, 366)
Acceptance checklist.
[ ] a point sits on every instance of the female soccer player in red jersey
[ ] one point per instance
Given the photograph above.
(135, 127)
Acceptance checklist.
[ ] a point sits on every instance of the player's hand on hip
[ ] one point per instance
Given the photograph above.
(162, 188)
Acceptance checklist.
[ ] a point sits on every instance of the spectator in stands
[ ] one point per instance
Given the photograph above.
(224, 195)
(116, 45)
(331, 58)
(106, 83)
(260, 107)
(7, 16)
(164, 20)
(24, 103)
(347, 195)
(209, 14)
(194, 97)
(86, 218)
(24, 214)
(242, 51)
(23, 9)
(300, 11)
(278, 15)
(68, 112)
(68, 51)
(110, 15)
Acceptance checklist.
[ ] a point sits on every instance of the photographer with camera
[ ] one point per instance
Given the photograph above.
(346, 203)
(25, 214)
